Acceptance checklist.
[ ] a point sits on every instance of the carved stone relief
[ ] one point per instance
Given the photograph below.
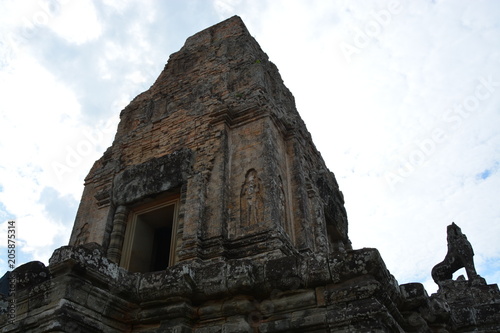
(282, 203)
(118, 234)
(152, 177)
(103, 197)
(251, 203)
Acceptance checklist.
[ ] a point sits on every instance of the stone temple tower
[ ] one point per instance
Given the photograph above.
(212, 162)
(212, 211)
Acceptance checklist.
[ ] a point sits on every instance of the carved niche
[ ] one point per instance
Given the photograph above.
(251, 199)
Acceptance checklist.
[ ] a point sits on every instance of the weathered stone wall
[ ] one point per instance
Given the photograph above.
(85, 292)
(82, 291)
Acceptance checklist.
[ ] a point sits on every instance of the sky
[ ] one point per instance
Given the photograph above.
(402, 99)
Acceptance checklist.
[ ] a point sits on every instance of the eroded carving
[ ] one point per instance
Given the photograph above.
(83, 234)
(251, 202)
(152, 177)
(282, 202)
(103, 197)
(460, 254)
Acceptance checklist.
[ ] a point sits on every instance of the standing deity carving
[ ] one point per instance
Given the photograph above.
(282, 202)
(251, 203)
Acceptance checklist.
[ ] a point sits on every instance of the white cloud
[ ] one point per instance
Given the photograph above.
(40, 121)
(226, 8)
(77, 22)
(36, 106)
(118, 5)
(74, 21)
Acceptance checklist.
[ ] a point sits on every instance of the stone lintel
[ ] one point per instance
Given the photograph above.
(151, 178)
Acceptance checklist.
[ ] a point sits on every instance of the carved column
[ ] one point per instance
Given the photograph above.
(118, 234)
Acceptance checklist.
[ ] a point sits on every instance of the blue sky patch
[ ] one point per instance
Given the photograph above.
(488, 172)
(485, 174)
(60, 208)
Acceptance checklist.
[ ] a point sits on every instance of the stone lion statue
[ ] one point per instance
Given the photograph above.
(460, 254)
